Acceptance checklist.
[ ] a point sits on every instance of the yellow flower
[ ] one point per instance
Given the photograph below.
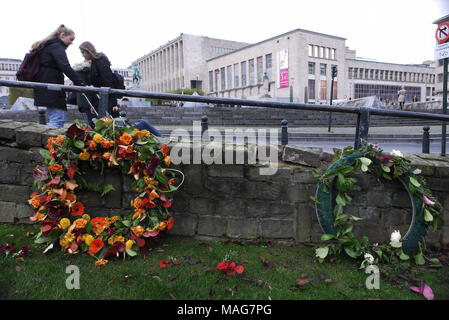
(63, 243)
(114, 219)
(69, 237)
(64, 223)
(84, 156)
(86, 217)
(107, 120)
(98, 138)
(167, 161)
(129, 244)
(89, 239)
(150, 181)
(80, 223)
(115, 239)
(138, 231)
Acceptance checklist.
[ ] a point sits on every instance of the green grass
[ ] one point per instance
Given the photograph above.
(42, 276)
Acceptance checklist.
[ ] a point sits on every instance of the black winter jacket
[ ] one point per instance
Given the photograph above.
(53, 65)
(101, 76)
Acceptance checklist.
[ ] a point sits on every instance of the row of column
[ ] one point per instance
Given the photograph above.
(163, 70)
(388, 75)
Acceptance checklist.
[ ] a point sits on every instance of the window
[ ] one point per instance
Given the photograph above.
(211, 81)
(259, 69)
(350, 73)
(440, 78)
(243, 65)
(217, 74)
(311, 88)
(384, 92)
(236, 75)
(269, 66)
(229, 76)
(223, 78)
(326, 53)
(366, 73)
(251, 72)
(315, 51)
(321, 52)
(310, 50)
(311, 68)
(333, 55)
(323, 69)
(323, 88)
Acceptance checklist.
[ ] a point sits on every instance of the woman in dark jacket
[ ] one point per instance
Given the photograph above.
(53, 65)
(100, 76)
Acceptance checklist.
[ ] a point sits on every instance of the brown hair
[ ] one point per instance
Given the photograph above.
(89, 48)
(62, 29)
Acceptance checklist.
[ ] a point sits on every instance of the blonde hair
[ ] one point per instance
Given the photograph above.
(89, 48)
(62, 29)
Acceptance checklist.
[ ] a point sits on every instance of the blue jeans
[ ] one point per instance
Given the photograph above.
(56, 117)
(145, 125)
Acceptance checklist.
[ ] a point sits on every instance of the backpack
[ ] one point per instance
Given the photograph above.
(29, 68)
(119, 82)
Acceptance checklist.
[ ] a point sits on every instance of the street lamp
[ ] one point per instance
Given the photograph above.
(334, 74)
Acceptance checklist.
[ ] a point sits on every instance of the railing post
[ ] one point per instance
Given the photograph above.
(42, 119)
(426, 140)
(204, 124)
(284, 132)
(104, 102)
(362, 129)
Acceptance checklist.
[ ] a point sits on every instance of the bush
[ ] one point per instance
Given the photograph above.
(15, 93)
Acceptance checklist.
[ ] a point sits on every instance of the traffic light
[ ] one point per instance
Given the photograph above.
(334, 71)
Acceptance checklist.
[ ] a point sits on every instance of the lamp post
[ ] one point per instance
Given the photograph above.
(334, 74)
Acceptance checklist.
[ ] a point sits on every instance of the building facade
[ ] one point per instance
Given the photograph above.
(127, 75)
(8, 70)
(180, 63)
(299, 66)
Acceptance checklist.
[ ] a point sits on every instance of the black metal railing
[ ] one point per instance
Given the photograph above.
(363, 113)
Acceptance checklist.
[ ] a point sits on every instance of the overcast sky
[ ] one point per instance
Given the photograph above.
(398, 31)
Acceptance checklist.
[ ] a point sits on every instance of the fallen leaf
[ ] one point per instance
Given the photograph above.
(425, 290)
(9, 236)
(18, 268)
(266, 263)
(328, 280)
(303, 275)
(171, 295)
(301, 282)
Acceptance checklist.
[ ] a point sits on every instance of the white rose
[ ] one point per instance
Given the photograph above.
(397, 153)
(369, 258)
(395, 236)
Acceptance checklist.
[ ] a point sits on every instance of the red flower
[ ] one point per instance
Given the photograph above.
(230, 267)
(164, 149)
(96, 246)
(71, 171)
(77, 209)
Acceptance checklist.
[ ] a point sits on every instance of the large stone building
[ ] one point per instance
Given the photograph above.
(8, 69)
(181, 63)
(294, 66)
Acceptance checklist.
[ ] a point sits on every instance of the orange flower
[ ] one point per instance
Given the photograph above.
(126, 138)
(55, 168)
(167, 161)
(60, 140)
(34, 201)
(106, 155)
(153, 195)
(84, 156)
(138, 231)
(162, 226)
(170, 223)
(71, 185)
(80, 223)
(164, 149)
(137, 203)
(70, 196)
(96, 246)
(77, 209)
(107, 144)
(138, 213)
(141, 134)
(101, 262)
(91, 145)
(50, 142)
(107, 120)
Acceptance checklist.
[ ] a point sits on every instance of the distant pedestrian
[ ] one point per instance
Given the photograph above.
(401, 97)
(100, 75)
(53, 65)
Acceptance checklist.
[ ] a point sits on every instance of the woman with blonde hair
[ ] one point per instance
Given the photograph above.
(101, 75)
(53, 65)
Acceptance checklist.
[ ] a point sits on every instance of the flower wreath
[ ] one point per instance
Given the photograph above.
(338, 225)
(62, 216)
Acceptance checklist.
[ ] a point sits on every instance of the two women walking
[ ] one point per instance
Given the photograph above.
(54, 64)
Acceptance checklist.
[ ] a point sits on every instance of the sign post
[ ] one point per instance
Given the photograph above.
(442, 52)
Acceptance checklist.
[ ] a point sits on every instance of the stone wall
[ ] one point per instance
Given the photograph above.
(227, 116)
(235, 201)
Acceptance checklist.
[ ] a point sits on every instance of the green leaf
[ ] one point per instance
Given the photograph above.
(351, 252)
(322, 252)
(365, 161)
(435, 261)
(415, 182)
(379, 253)
(79, 144)
(385, 168)
(419, 259)
(42, 240)
(107, 188)
(126, 223)
(396, 244)
(403, 256)
(327, 236)
(45, 154)
(354, 218)
(340, 200)
(427, 216)
(364, 168)
(130, 252)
